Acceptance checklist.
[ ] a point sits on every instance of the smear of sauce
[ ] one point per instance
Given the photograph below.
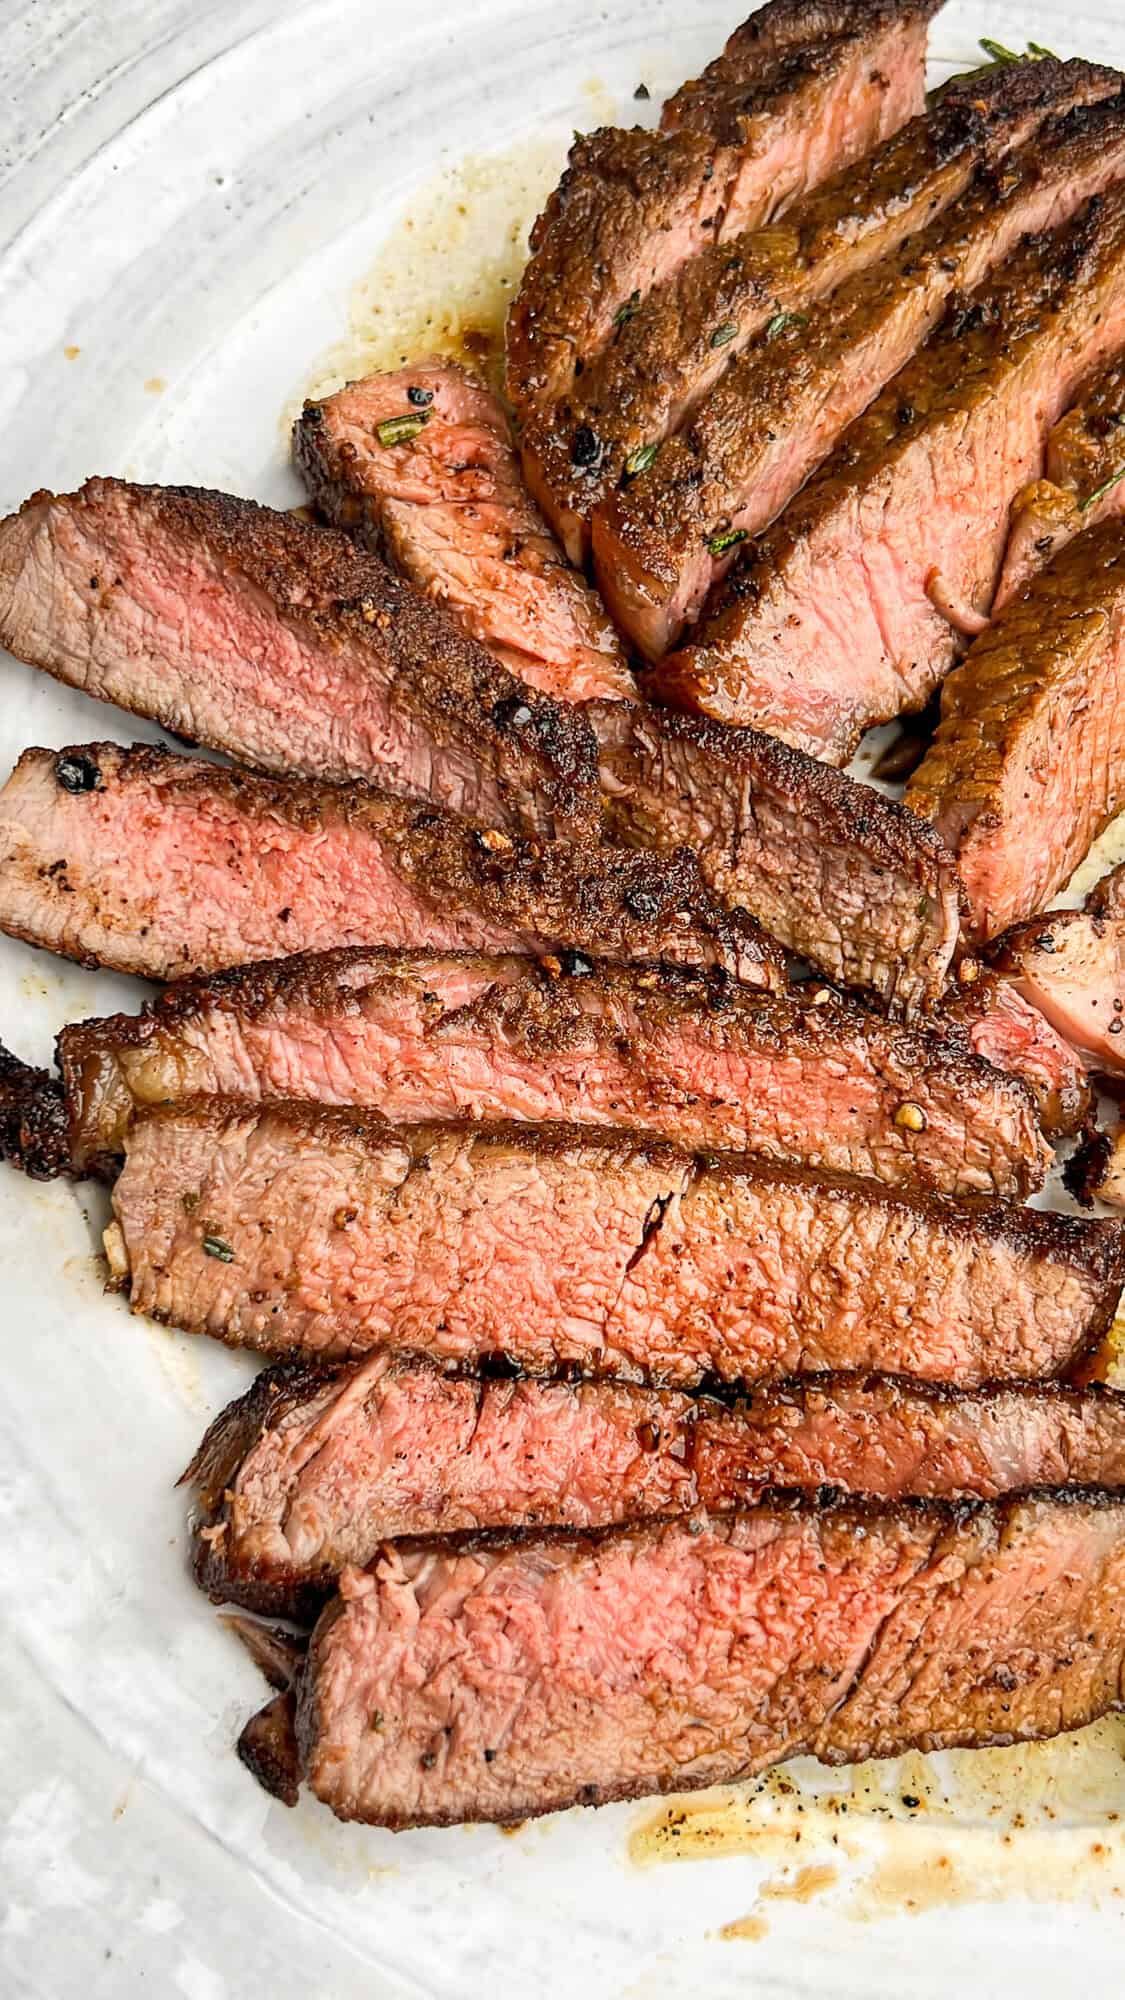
(1036, 1820)
(803, 1886)
(752, 1927)
(445, 276)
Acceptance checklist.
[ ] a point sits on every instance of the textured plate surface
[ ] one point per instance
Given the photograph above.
(205, 210)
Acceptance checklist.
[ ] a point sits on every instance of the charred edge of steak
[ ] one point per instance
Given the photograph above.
(34, 1123)
(278, 1655)
(237, 1427)
(268, 1748)
(1084, 1172)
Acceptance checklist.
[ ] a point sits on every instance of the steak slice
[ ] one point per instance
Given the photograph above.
(161, 865)
(1028, 763)
(1008, 1029)
(301, 1477)
(786, 403)
(299, 1228)
(859, 600)
(420, 465)
(504, 1681)
(675, 1053)
(1085, 482)
(664, 357)
(846, 877)
(798, 93)
(1071, 966)
(282, 644)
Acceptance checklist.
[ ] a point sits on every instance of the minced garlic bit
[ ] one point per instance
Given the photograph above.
(911, 1118)
(968, 972)
(117, 1257)
(495, 841)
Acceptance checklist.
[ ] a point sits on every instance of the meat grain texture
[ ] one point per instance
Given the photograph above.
(554, 1250)
(312, 1470)
(164, 865)
(497, 1683)
(282, 644)
(675, 1054)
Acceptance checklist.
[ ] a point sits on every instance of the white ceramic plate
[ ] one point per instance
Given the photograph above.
(193, 197)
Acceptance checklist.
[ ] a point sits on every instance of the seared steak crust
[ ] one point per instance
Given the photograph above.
(849, 879)
(786, 403)
(677, 1053)
(320, 1475)
(162, 865)
(284, 645)
(856, 603)
(1028, 763)
(554, 1250)
(448, 1686)
(799, 93)
(665, 356)
(34, 1120)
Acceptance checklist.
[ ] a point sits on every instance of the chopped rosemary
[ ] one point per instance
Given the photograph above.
(996, 50)
(781, 320)
(627, 310)
(719, 544)
(724, 333)
(400, 430)
(640, 460)
(214, 1246)
(1100, 492)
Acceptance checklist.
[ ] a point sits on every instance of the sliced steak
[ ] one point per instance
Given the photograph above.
(281, 643)
(787, 402)
(1085, 482)
(844, 876)
(1071, 966)
(420, 465)
(317, 1473)
(296, 1228)
(675, 1053)
(859, 600)
(503, 1681)
(1028, 763)
(162, 865)
(664, 356)
(1007, 1028)
(798, 93)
